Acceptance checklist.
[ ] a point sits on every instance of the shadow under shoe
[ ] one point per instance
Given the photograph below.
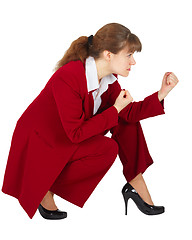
(53, 215)
(129, 192)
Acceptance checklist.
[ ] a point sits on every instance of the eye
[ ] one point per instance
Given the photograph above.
(129, 55)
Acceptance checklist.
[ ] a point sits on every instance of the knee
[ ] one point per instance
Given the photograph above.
(104, 147)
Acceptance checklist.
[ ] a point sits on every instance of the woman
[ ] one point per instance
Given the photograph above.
(59, 144)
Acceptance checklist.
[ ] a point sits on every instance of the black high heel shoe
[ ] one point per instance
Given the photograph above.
(47, 214)
(129, 192)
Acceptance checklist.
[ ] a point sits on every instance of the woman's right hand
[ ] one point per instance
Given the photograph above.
(123, 100)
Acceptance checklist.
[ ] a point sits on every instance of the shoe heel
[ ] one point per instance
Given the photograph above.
(129, 192)
(126, 198)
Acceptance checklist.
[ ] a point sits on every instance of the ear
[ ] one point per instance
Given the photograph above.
(107, 55)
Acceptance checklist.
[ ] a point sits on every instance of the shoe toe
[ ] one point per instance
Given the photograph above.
(47, 214)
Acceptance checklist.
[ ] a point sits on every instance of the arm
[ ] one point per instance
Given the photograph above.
(136, 111)
(149, 107)
(70, 108)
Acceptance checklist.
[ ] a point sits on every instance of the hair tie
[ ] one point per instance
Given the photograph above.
(90, 40)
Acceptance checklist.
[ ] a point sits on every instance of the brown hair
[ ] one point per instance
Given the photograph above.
(112, 37)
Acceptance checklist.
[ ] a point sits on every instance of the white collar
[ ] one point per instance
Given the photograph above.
(92, 77)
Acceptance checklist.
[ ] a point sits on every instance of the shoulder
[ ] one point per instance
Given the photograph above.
(75, 68)
(72, 73)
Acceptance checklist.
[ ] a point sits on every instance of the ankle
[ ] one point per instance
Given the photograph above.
(140, 186)
(48, 202)
(144, 194)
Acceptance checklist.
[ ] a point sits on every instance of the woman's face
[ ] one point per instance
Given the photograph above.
(121, 62)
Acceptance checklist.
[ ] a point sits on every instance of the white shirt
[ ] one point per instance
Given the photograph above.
(93, 82)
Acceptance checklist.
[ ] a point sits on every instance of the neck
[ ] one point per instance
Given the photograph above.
(102, 68)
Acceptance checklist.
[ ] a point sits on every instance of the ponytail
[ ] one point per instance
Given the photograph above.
(77, 51)
(112, 37)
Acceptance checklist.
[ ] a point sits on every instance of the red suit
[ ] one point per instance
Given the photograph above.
(59, 145)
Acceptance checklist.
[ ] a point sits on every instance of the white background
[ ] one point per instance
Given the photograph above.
(34, 36)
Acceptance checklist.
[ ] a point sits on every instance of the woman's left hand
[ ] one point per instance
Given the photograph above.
(168, 83)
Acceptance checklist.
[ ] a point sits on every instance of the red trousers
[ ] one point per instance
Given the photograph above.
(95, 156)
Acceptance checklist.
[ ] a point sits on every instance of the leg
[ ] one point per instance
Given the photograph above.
(134, 155)
(85, 170)
(140, 186)
(48, 201)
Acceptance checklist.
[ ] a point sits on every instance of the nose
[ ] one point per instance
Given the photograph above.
(133, 62)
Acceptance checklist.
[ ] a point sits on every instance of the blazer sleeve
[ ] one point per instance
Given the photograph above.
(136, 111)
(70, 108)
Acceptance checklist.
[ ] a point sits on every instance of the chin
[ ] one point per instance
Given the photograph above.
(124, 74)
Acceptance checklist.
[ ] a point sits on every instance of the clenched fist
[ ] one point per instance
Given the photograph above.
(123, 100)
(168, 83)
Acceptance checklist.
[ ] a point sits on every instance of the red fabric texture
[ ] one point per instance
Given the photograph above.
(54, 127)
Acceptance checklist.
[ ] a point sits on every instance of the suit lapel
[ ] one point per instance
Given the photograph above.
(91, 104)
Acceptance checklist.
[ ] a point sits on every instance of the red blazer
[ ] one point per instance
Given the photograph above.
(48, 132)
